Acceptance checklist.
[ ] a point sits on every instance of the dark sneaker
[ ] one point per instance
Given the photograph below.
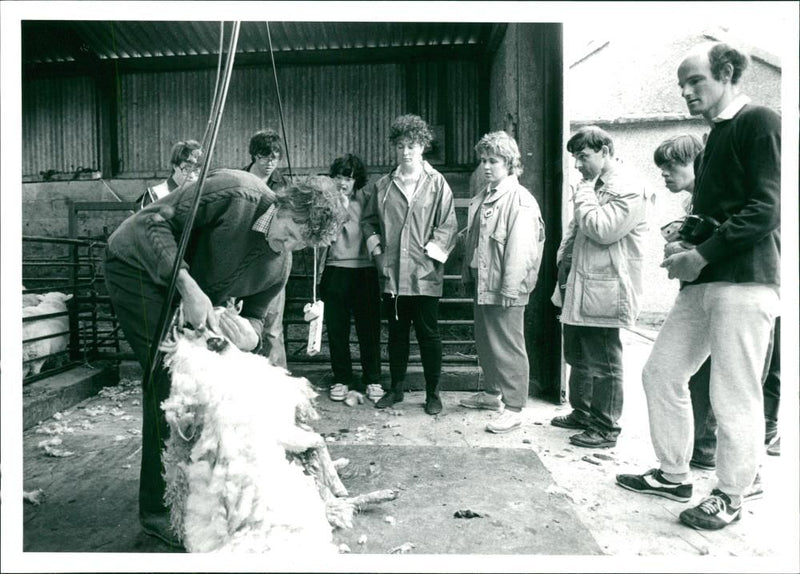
(702, 464)
(570, 421)
(159, 526)
(433, 405)
(593, 439)
(389, 399)
(483, 400)
(754, 491)
(714, 513)
(653, 482)
(774, 447)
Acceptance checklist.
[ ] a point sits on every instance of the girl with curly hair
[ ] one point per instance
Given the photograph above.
(410, 227)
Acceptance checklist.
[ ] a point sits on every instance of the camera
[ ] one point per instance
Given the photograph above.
(697, 228)
(670, 231)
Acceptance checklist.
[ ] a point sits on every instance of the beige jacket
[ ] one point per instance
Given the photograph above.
(606, 242)
(416, 234)
(508, 250)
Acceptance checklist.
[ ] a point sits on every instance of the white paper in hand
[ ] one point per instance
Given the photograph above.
(313, 314)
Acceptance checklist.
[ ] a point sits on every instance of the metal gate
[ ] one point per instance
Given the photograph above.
(72, 266)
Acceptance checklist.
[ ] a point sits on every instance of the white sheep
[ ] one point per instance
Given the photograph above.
(233, 418)
(30, 299)
(53, 302)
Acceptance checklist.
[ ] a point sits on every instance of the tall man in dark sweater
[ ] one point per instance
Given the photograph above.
(729, 297)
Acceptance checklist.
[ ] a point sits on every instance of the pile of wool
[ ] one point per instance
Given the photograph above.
(234, 418)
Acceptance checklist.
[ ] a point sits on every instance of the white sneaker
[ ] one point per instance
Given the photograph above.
(338, 392)
(755, 490)
(483, 400)
(375, 392)
(506, 422)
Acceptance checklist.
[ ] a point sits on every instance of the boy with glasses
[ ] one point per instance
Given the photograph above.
(185, 164)
(266, 151)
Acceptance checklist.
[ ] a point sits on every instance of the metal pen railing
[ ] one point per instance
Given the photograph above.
(90, 331)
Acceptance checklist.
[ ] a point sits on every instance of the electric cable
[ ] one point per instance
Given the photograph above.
(218, 107)
(289, 165)
(216, 83)
(280, 105)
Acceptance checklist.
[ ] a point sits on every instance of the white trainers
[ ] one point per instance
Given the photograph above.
(483, 400)
(506, 422)
(755, 490)
(338, 392)
(375, 392)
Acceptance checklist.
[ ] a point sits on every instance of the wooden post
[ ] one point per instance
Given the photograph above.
(528, 90)
(107, 110)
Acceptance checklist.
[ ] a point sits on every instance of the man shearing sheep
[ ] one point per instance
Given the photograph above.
(239, 248)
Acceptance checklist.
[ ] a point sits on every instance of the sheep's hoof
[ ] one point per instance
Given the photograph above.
(217, 344)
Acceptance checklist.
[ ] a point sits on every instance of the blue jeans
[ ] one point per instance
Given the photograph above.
(137, 303)
(772, 384)
(705, 424)
(272, 342)
(595, 382)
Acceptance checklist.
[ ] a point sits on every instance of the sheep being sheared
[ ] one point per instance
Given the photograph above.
(53, 302)
(233, 417)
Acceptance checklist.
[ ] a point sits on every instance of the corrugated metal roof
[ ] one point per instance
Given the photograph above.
(66, 41)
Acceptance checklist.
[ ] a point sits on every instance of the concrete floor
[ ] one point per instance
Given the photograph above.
(621, 524)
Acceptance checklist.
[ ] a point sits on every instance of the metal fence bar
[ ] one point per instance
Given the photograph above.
(75, 273)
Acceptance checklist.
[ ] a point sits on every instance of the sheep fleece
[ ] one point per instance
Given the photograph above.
(230, 486)
(53, 302)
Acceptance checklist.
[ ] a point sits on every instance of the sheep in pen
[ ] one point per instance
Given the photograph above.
(46, 337)
(244, 469)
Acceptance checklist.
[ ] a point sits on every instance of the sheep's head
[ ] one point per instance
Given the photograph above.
(55, 297)
(212, 341)
(197, 337)
(217, 344)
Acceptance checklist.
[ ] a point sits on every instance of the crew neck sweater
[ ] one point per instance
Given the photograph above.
(738, 183)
